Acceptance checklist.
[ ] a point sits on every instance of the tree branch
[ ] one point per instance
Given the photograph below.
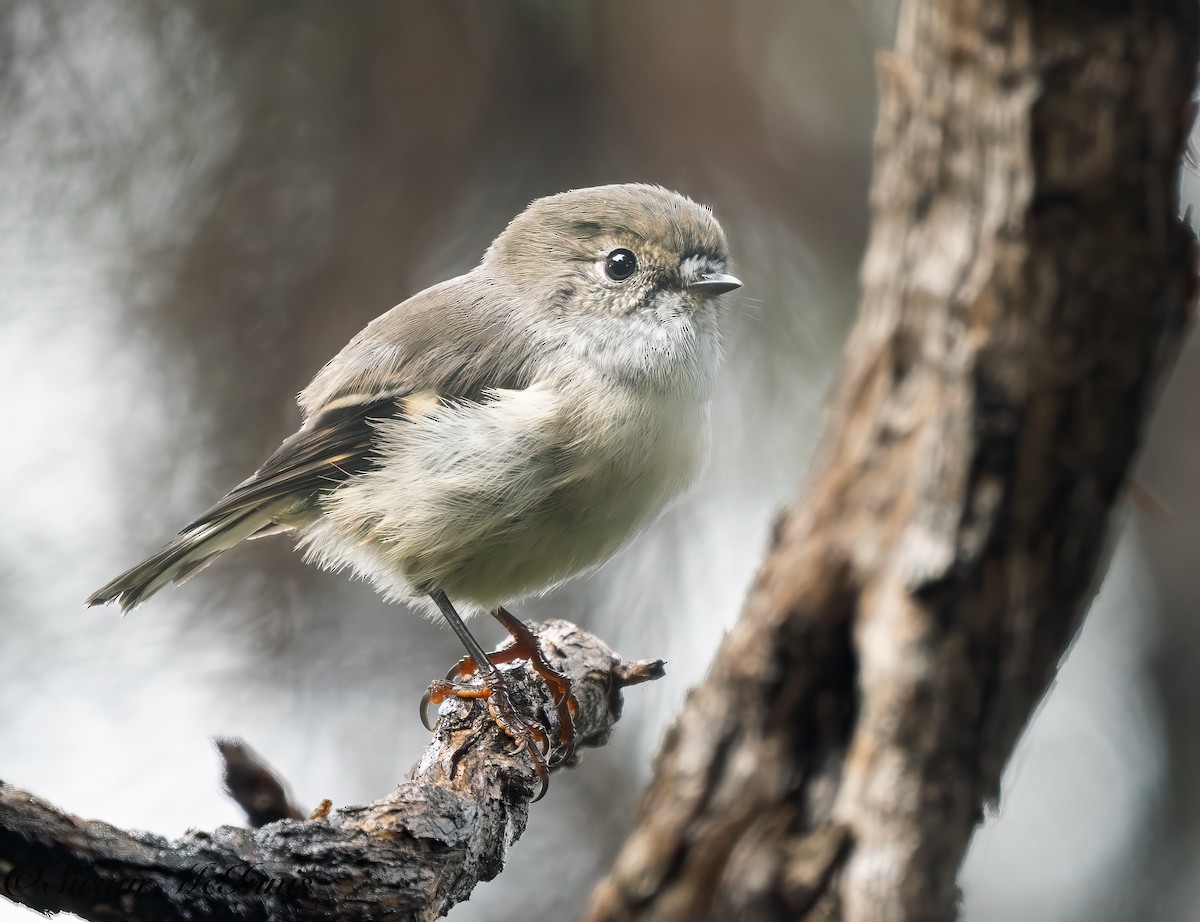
(1025, 287)
(254, 786)
(412, 855)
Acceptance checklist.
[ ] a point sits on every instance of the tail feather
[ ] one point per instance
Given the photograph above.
(333, 445)
(197, 547)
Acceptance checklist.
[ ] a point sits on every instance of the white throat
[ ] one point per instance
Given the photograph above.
(670, 350)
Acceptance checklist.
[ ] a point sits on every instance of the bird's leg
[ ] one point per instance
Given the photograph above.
(524, 646)
(494, 690)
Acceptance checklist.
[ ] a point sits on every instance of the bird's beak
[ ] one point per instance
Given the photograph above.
(716, 283)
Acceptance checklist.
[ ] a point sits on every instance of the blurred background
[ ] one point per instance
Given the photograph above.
(201, 201)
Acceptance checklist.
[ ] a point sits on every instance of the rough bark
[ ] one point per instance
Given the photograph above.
(411, 855)
(1025, 288)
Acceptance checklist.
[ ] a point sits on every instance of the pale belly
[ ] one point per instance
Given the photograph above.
(495, 502)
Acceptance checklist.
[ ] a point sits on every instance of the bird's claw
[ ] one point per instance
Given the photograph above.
(528, 736)
(463, 669)
(524, 645)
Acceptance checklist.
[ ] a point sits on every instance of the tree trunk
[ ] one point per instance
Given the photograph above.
(1026, 286)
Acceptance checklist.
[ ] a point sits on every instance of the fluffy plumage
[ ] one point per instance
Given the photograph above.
(503, 430)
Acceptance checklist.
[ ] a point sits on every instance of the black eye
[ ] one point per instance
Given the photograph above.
(620, 265)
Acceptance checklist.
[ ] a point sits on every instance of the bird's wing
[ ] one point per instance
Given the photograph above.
(458, 339)
(331, 448)
(439, 345)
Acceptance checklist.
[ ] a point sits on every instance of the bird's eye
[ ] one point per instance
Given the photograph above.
(620, 264)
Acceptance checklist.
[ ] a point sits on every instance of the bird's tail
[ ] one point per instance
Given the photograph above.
(196, 547)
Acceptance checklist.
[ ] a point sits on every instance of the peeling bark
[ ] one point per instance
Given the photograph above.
(1025, 288)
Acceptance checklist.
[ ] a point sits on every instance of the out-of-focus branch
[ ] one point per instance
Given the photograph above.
(412, 855)
(255, 786)
(1025, 288)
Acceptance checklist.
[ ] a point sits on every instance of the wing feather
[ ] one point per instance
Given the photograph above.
(333, 447)
(445, 343)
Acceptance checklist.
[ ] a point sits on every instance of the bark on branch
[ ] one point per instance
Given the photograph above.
(412, 855)
(1025, 288)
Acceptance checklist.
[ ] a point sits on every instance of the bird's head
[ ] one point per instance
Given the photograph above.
(615, 251)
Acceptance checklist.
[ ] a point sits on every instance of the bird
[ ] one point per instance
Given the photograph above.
(500, 432)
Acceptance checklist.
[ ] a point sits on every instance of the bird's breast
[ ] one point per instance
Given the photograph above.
(637, 451)
(497, 500)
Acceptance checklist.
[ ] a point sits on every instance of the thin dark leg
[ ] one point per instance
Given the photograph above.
(482, 663)
(493, 690)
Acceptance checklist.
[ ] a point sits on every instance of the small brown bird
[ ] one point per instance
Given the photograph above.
(500, 432)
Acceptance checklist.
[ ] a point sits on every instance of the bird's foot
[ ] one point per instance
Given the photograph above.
(524, 645)
(527, 734)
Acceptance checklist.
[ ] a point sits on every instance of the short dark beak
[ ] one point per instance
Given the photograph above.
(714, 284)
